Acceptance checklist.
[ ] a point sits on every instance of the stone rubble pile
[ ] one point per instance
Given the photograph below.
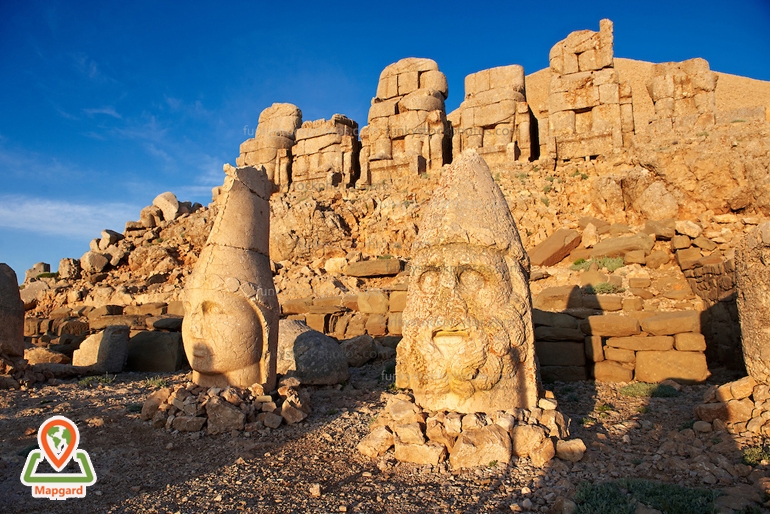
(192, 408)
(470, 440)
(741, 407)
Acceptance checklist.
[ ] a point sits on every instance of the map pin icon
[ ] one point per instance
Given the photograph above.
(58, 438)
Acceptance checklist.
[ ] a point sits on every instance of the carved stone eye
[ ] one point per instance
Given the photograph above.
(429, 281)
(471, 281)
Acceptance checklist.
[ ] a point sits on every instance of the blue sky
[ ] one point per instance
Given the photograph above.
(107, 104)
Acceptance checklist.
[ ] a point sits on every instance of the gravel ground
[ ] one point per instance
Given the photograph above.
(314, 467)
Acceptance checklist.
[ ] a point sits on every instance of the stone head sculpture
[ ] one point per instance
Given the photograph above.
(468, 343)
(230, 329)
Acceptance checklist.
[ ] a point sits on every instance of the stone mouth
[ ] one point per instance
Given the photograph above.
(448, 341)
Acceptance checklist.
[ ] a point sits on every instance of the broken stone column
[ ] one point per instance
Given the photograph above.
(494, 118)
(408, 132)
(326, 153)
(468, 342)
(589, 110)
(271, 146)
(230, 330)
(11, 314)
(683, 94)
(752, 267)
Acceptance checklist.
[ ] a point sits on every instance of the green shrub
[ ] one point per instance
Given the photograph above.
(621, 496)
(48, 275)
(610, 263)
(547, 188)
(97, 379)
(603, 288)
(155, 382)
(753, 455)
(546, 201)
(580, 265)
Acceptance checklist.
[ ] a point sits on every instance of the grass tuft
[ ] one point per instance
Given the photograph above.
(155, 382)
(754, 455)
(622, 496)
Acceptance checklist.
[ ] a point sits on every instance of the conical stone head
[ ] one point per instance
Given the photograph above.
(230, 329)
(468, 343)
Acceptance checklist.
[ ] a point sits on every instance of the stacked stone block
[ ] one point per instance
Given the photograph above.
(589, 110)
(408, 131)
(494, 118)
(326, 153)
(683, 94)
(271, 146)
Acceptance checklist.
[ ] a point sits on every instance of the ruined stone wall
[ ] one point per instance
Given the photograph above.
(683, 94)
(408, 132)
(326, 153)
(272, 143)
(494, 118)
(590, 111)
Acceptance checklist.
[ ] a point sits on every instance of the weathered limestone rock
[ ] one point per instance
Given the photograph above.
(377, 442)
(105, 352)
(69, 269)
(168, 205)
(156, 351)
(223, 416)
(359, 350)
(230, 330)
(656, 366)
(424, 454)
(480, 447)
(325, 154)
(554, 249)
(11, 314)
(611, 371)
(408, 132)
(271, 146)
(525, 438)
(37, 269)
(589, 110)
(93, 262)
(374, 268)
(572, 450)
(494, 118)
(309, 355)
(752, 266)
(468, 341)
(683, 94)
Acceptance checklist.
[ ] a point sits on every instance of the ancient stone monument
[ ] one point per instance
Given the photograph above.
(752, 265)
(494, 117)
(230, 329)
(326, 153)
(468, 341)
(11, 314)
(271, 146)
(590, 112)
(408, 132)
(683, 94)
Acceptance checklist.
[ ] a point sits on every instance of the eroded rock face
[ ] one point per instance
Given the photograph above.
(11, 313)
(230, 331)
(468, 342)
(752, 266)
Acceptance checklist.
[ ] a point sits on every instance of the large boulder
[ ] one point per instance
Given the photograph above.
(105, 352)
(752, 266)
(168, 204)
(309, 355)
(11, 313)
(156, 351)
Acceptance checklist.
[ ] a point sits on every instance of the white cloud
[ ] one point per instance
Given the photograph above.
(107, 111)
(62, 218)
